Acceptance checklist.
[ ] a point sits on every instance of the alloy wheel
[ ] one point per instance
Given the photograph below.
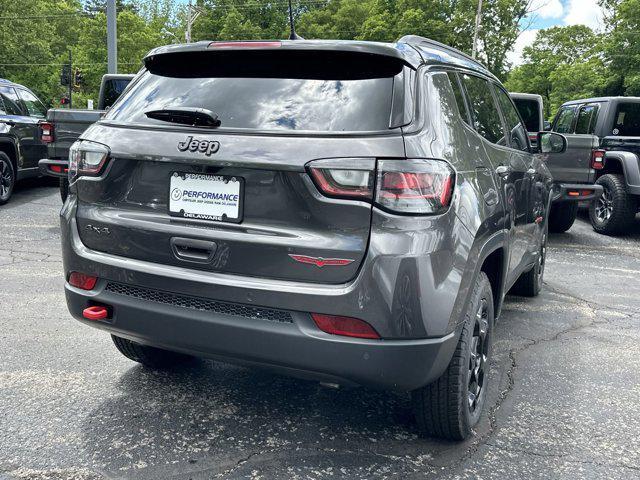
(6, 179)
(478, 357)
(604, 206)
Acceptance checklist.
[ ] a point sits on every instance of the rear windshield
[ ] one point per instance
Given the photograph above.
(530, 113)
(265, 103)
(627, 120)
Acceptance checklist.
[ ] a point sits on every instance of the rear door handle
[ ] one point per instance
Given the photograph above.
(503, 170)
(192, 250)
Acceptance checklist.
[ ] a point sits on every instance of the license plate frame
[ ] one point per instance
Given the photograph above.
(205, 198)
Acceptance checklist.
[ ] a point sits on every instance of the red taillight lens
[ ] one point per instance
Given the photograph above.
(345, 326)
(343, 183)
(597, 159)
(414, 186)
(344, 178)
(46, 132)
(82, 281)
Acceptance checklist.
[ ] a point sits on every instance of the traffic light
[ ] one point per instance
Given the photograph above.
(65, 76)
(78, 78)
(64, 101)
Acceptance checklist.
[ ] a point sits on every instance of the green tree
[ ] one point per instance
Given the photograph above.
(622, 45)
(551, 63)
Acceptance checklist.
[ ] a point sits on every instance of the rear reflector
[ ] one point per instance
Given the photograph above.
(344, 326)
(597, 159)
(95, 313)
(82, 281)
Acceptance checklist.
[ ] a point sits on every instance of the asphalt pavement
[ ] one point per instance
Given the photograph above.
(563, 403)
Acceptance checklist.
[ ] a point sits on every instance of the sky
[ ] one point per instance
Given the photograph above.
(550, 13)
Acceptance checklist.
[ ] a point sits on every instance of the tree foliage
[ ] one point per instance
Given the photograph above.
(563, 63)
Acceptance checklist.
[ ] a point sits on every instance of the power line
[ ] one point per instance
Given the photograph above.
(34, 17)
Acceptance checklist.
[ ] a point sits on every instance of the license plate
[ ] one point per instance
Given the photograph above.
(206, 197)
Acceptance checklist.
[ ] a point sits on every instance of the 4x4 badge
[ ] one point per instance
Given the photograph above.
(202, 146)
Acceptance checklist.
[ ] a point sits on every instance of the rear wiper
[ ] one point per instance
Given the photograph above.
(197, 117)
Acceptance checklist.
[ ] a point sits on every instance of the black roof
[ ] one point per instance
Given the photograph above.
(412, 50)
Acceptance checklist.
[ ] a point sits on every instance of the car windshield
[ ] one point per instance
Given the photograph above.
(530, 113)
(627, 120)
(265, 103)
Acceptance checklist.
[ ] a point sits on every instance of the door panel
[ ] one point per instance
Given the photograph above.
(574, 164)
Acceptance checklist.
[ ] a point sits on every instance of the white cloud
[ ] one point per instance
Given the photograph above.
(583, 12)
(525, 39)
(547, 8)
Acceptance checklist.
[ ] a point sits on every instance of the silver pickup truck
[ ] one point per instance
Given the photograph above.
(63, 126)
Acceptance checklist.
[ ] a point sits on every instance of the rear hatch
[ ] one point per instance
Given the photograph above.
(235, 196)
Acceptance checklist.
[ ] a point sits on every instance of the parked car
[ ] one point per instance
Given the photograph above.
(20, 144)
(63, 126)
(603, 137)
(531, 110)
(348, 211)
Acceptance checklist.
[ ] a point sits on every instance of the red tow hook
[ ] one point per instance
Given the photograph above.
(95, 313)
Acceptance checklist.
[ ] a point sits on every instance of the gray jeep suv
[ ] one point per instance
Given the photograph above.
(352, 212)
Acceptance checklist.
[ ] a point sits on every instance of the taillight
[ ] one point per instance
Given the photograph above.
(82, 280)
(597, 159)
(46, 132)
(345, 326)
(344, 178)
(423, 187)
(86, 158)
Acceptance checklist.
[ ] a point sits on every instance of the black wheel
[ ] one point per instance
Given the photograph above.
(562, 216)
(451, 406)
(615, 211)
(64, 189)
(530, 283)
(151, 357)
(7, 178)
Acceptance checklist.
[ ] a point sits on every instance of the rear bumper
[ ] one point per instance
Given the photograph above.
(576, 192)
(295, 347)
(54, 167)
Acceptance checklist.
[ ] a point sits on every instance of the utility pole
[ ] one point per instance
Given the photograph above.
(112, 38)
(193, 13)
(474, 52)
(70, 80)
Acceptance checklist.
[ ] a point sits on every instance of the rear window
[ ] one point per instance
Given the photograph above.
(530, 113)
(265, 103)
(627, 120)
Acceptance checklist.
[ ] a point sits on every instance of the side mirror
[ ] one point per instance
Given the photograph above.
(551, 142)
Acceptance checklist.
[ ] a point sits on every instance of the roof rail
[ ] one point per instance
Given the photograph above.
(418, 40)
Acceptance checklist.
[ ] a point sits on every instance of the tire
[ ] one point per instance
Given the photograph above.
(151, 357)
(614, 212)
(443, 409)
(64, 189)
(530, 283)
(562, 216)
(7, 178)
